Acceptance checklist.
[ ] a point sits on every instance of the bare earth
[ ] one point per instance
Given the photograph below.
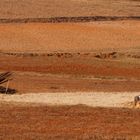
(68, 122)
(96, 56)
(88, 58)
(98, 99)
(59, 8)
(73, 80)
(71, 37)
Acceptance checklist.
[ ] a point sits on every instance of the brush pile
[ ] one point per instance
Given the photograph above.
(5, 77)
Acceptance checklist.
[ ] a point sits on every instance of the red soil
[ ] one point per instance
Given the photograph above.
(77, 73)
(80, 37)
(68, 122)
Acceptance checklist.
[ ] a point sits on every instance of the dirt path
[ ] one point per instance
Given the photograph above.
(100, 99)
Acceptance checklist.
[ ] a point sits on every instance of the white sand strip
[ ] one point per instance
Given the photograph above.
(94, 99)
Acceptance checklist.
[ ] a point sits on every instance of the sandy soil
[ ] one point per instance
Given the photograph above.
(57, 8)
(98, 99)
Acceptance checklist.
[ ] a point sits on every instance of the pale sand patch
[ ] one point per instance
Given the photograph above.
(94, 99)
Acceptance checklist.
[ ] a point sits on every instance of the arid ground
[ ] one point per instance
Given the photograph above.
(68, 122)
(74, 80)
(95, 56)
(60, 8)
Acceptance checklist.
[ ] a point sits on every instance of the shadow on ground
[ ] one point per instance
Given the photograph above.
(9, 90)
